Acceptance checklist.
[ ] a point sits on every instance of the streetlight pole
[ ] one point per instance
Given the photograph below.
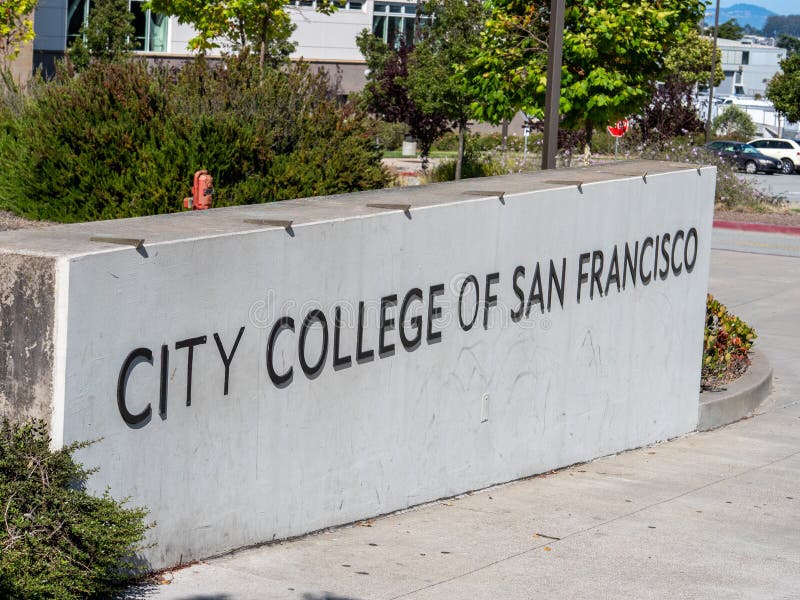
(713, 72)
(555, 46)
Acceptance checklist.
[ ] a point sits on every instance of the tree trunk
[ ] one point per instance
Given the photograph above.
(504, 144)
(262, 58)
(587, 150)
(460, 160)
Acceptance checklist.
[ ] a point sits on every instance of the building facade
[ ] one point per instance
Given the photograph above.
(748, 67)
(328, 41)
(22, 67)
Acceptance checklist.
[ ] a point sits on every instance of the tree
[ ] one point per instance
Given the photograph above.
(790, 43)
(690, 61)
(436, 79)
(734, 123)
(387, 95)
(777, 24)
(612, 52)
(244, 24)
(107, 36)
(16, 28)
(671, 111)
(784, 88)
(730, 30)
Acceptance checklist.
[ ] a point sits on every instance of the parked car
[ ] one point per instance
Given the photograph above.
(744, 156)
(786, 151)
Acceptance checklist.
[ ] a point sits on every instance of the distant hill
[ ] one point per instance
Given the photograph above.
(745, 14)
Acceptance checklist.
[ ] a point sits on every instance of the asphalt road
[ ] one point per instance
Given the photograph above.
(753, 242)
(787, 186)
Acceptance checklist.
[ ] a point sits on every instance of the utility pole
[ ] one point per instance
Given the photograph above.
(555, 46)
(713, 72)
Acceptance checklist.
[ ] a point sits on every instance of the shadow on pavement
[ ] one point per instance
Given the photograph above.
(207, 597)
(143, 591)
(326, 596)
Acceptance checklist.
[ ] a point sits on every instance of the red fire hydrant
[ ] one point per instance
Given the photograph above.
(202, 192)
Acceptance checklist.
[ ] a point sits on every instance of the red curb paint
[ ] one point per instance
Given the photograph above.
(762, 227)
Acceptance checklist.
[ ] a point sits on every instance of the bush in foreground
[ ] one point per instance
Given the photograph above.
(123, 140)
(56, 540)
(726, 342)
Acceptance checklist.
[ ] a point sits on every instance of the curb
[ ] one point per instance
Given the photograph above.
(760, 227)
(740, 398)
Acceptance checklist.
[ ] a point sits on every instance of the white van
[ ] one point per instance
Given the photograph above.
(785, 150)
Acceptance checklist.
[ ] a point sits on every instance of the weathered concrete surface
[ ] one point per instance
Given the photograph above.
(74, 240)
(27, 326)
(738, 398)
(708, 515)
(593, 366)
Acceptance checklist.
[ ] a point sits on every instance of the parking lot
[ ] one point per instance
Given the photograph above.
(787, 186)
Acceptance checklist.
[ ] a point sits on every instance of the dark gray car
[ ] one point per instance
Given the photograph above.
(744, 156)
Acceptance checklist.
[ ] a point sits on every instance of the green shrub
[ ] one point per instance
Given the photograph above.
(122, 140)
(446, 170)
(726, 342)
(447, 142)
(734, 123)
(732, 190)
(482, 142)
(475, 164)
(488, 141)
(56, 540)
(603, 142)
(387, 136)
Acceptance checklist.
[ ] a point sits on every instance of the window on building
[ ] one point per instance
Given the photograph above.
(150, 29)
(394, 22)
(340, 4)
(746, 57)
(77, 13)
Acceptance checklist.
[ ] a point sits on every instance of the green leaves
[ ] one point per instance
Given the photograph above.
(265, 26)
(734, 123)
(122, 140)
(784, 88)
(16, 27)
(611, 54)
(726, 341)
(58, 541)
(690, 61)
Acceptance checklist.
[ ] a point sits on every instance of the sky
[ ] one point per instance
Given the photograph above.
(780, 7)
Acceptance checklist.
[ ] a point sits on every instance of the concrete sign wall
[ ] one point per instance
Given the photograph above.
(250, 382)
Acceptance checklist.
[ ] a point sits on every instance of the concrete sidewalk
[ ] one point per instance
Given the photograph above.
(711, 515)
